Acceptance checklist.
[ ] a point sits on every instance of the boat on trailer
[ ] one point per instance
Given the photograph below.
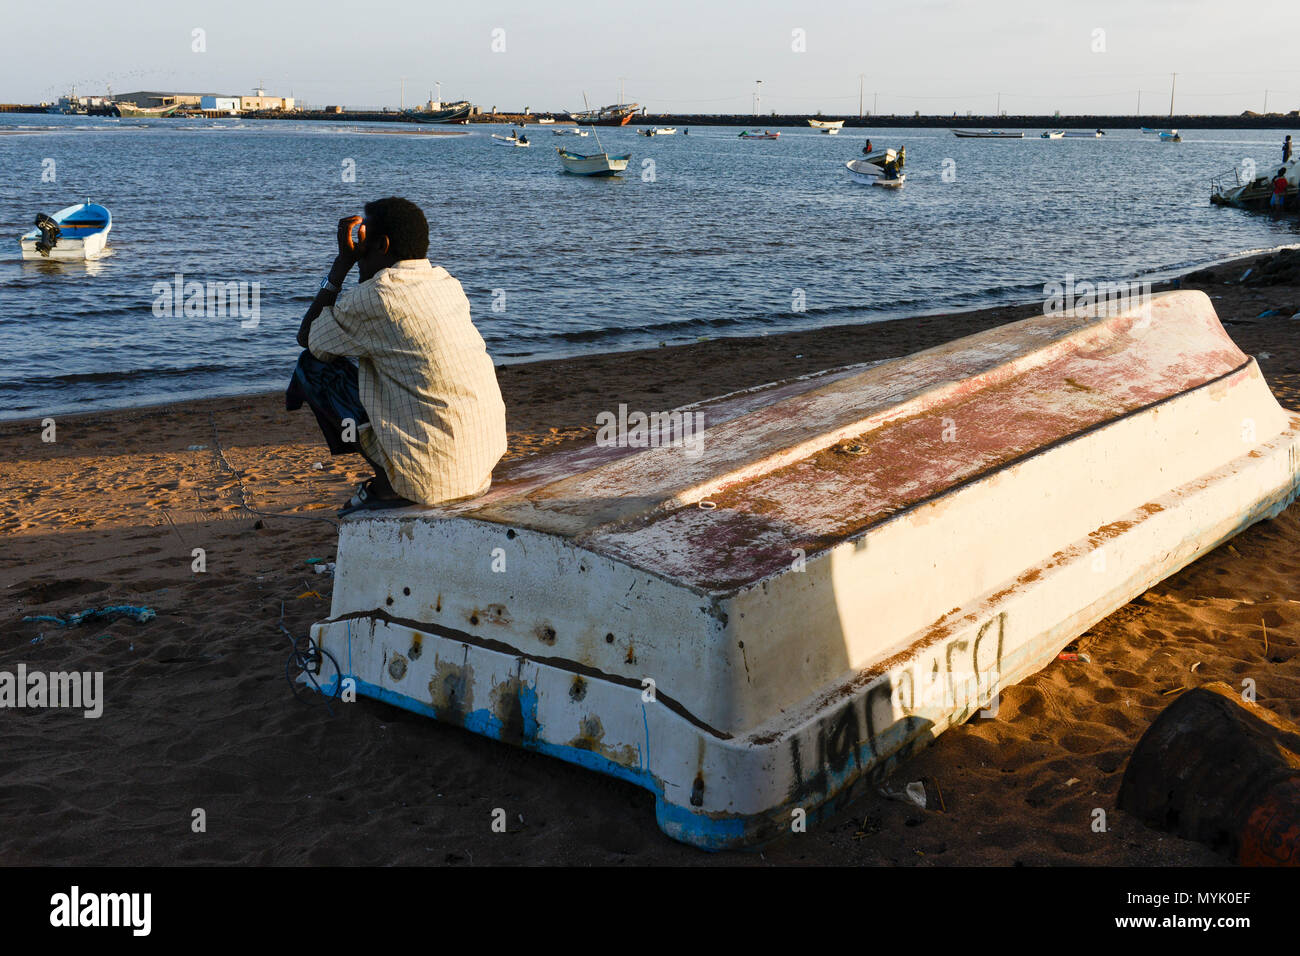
(596, 164)
(757, 622)
(75, 233)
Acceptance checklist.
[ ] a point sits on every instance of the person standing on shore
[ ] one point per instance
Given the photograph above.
(421, 402)
(1286, 150)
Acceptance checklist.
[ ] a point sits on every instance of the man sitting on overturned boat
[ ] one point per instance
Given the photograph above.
(421, 402)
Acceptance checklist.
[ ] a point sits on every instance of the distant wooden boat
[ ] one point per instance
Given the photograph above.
(597, 164)
(130, 110)
(755, 134)
(986, 134)
(77, 232)
(545, 120)
(826, 126)
(1053, 134)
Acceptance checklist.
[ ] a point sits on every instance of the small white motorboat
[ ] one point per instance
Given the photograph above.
(545, 120)
(862, 171)
(597, 164)
(755, 134)
(880, 157)
(1053, 134)
(78, 232)
(570, 131)
(658, 131)
(511, 140)
(1080, 134)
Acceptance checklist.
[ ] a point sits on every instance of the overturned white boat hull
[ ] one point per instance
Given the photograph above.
(752, 625)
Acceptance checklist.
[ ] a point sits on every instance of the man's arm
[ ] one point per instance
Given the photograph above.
(343, 263)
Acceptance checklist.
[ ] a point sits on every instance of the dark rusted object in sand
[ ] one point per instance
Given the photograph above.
(1223, 772)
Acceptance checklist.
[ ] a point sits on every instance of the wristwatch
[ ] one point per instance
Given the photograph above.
(327, 286)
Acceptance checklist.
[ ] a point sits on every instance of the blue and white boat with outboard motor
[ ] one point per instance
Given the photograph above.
(78, 232)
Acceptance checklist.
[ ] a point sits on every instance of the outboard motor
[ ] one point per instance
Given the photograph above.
(50, 234)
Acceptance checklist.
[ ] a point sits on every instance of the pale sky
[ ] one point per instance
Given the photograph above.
(936, 56)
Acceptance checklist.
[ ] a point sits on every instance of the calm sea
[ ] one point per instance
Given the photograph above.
(707, 235)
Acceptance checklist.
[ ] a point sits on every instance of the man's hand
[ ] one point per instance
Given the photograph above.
(348, 250)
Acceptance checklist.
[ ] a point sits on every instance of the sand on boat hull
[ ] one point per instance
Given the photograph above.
(848, 564)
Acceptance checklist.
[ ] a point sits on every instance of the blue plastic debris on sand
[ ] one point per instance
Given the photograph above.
(138, 614)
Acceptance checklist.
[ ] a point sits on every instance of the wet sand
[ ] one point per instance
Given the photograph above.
(198, 713)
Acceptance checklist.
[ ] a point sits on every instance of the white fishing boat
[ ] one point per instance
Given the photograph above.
(1081, 134)
(511, 140)
(880, 157)
(545, 120)
(826, 126)
(775, 601)
(569, 131)
(78, 232)
(863, 171)
(1053, 134)
(659, 131)
(986, 134)
(597, 164)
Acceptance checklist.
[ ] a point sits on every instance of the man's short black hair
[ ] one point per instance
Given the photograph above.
(403, 222)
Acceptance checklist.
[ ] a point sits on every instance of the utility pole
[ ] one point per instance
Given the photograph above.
(1173, 81)
(758, 95)
(1139, 112)
(403, 92)
(1266, 102)
(875, 104)
(861, 78)
(999, 112)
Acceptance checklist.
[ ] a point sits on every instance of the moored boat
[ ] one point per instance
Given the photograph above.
(1170, 136)
(569, 131)
(618, 115)
(659, 131)
(448, 113)
(986, 134)
(1080, 134)
(597, 164)
(756, 134)
(77, 232)
(826, 126)
(1053, 134)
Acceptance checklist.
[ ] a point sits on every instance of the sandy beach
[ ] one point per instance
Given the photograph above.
(198, 713)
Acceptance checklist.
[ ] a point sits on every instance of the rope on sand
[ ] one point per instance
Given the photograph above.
(243, 495)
